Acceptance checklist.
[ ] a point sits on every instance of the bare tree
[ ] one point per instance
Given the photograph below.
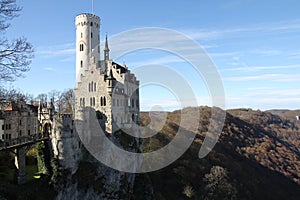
(66, 101)
(15, 55)
(13, 95)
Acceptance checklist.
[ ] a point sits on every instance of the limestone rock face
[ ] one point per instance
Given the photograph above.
(93, 180)
(65, 142)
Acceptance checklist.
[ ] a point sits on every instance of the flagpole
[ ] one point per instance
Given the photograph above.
(92, 6)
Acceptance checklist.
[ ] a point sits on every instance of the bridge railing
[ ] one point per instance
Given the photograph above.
(21, 140)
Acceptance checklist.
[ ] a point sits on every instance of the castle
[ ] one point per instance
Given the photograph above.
(107, 87)
(104, 86)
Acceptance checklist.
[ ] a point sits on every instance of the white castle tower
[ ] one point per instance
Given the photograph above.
(103, 85)
(87, 42)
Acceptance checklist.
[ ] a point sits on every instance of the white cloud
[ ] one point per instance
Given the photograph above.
(255, 29)
(247, 68)
(57, 50)
(50, 69)
(266, 77)
(263, 102)
(267, 52)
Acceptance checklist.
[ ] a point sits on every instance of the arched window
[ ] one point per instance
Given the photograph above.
(101, 101)
(132, 117)
(92, 86)
(104, 101)
(81, 63)
(89, 87)
(81, 35)
(91, 101)
(81, 47)
(95, 87)
(91, 23)
(80, 102)
(94, 101)
(91, 34)
(83, 101)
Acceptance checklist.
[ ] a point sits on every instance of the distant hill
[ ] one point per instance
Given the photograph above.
(256, 157)
(289, 114)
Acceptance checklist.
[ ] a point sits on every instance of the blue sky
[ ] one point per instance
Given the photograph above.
(253, 44)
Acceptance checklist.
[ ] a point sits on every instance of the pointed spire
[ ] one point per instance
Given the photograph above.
(106, 49)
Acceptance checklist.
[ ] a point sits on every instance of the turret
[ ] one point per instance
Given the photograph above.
(110, 83)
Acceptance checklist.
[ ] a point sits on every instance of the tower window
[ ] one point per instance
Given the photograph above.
(81, 63)
(94, 101)
(81, 47)
(91, 35)
(104, 101)
(94, 87)
(81, 35)
(91, 23)
(101, 101)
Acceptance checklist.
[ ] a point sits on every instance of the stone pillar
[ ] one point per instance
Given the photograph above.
(20, 165)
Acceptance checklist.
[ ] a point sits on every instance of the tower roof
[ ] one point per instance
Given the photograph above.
(106, 49)
(106, 44)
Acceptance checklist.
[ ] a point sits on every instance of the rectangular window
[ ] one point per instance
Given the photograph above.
(28, 132)
(3, 127)
(81, 63)
(9, 126)
(20, 133)
(3, 137)
(20, 122)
